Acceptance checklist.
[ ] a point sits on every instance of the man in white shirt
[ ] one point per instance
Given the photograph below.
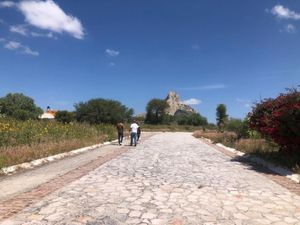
(133, 133)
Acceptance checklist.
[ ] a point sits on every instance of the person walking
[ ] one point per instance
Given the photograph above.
(138, 132)
(133, 133)
(120, 129)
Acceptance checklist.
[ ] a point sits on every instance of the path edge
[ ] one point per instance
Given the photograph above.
(39, 162)
(257, 160)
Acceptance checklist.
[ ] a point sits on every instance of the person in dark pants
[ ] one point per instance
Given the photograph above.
(120, 129)
(138, 133)
(133, 133)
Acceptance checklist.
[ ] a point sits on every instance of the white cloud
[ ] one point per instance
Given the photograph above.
(48, 15)
(47, 35)
(13, 45)
(192, 101)
(289, 28)
(205, 87)
(23, 30)
(27, 50)
(245, 103)
(284, 13)
(20, 29)
(112, 53)
(7, 4)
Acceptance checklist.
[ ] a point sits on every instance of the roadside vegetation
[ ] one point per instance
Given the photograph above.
(271, 130)
(24, 137)
(23, 141)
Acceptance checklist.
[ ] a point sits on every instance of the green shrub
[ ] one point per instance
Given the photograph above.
(64, 116)
(240, 127)
(193, 119)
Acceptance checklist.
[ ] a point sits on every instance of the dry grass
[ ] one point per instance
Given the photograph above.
(20, 154)
(270, 152)
(227, 138)
(198, 134)
(255, 146)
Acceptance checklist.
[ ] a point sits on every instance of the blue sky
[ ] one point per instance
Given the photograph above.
(209, 51)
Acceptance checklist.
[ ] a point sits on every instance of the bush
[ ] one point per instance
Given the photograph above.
(19, 106)
(99, 111)
(279, 119)
(64, 116)
(193, 119)
(240, 127)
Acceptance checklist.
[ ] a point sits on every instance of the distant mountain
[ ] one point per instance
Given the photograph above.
(176, 107)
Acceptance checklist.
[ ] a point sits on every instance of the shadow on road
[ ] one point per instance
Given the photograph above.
(252, 166)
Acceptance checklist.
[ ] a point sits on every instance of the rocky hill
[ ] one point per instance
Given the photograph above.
(177, 107)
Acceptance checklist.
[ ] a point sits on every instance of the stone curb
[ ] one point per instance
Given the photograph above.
(38, 162)
(271, 166)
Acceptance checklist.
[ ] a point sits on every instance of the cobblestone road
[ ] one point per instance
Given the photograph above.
(172, 178)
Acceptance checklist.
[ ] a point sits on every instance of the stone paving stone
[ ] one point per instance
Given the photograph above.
(170, 179)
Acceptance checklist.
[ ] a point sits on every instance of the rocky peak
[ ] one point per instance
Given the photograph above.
(173, 97)
(176, 106)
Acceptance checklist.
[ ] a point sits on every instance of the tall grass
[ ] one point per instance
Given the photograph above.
(22, 141)
(255, 146)
(226, 138)
(251, 145)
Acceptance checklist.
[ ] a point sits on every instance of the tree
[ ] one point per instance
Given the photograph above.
(221, 116)
(64, 116)
(19, 106)
(97, 111)
(156, 111)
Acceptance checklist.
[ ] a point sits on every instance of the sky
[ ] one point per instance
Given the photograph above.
(210, 52)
